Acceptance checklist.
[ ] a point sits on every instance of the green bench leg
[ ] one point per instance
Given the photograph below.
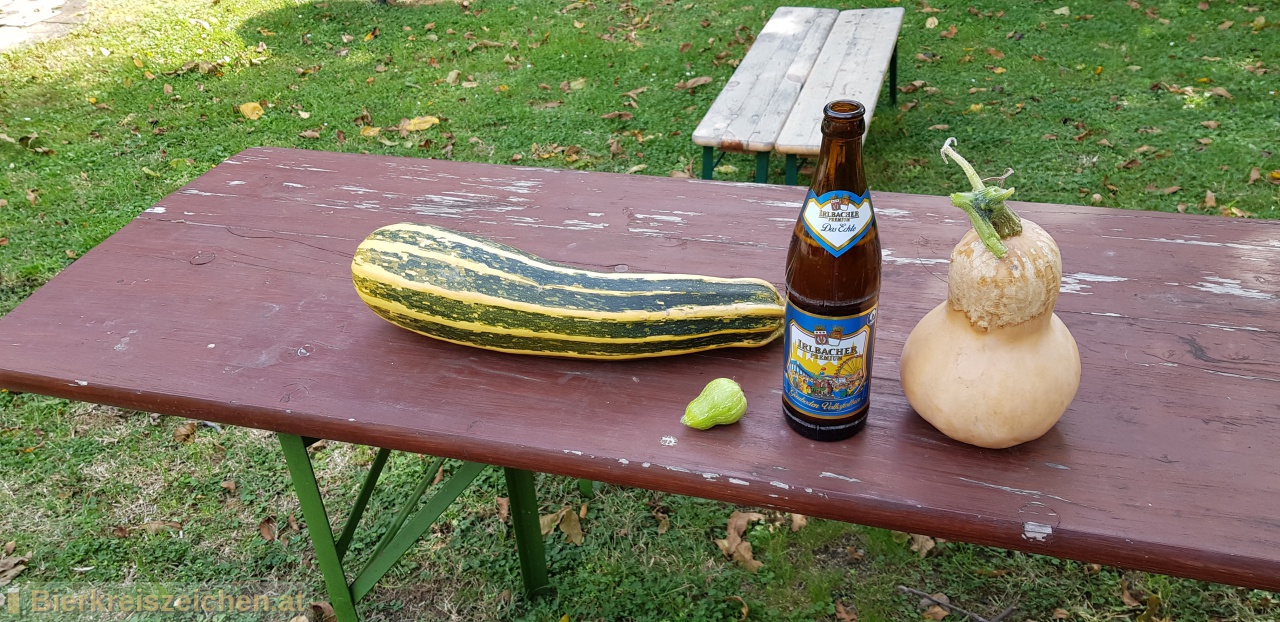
(793, 166)
(893, 76)
(524, 518)
(708, 166)
(762, 167)
(304, 484)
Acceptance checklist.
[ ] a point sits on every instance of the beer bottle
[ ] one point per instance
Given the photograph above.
(833, 285)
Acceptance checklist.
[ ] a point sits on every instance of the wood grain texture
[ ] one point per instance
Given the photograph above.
(852, 65)
(231, 300)
(750, 110)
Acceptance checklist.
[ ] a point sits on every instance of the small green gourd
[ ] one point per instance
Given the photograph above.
(721, 402)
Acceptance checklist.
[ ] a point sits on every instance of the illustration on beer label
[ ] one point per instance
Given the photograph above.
(828, 362)
(838, 219)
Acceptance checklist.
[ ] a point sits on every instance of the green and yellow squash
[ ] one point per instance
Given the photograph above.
(470, 290)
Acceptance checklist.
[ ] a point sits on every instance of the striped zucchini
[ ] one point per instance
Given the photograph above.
(469, 290)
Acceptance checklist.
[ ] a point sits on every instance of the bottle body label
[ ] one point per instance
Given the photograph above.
(838, 219)
(828, 362)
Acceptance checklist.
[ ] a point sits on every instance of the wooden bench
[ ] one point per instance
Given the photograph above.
(1165, 462)
(802, 59)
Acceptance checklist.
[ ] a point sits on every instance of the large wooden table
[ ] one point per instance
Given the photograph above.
(231, 301)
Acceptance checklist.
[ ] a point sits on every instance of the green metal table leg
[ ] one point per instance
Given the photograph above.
(405, 538)
(304, 484)
(353, 521)
(762, 167)
(524, 518)
(707, 166)
(792, 168)
(893, 76)
(423, 483)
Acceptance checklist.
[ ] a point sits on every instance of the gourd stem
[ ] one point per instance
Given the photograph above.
(991, 218)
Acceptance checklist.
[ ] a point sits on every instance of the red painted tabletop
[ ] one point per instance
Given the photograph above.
(231, 301)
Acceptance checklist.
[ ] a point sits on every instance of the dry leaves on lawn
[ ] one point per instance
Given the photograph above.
(251, 110)
(185, 432)
(693, 83)
(733, 546)
(567, 520)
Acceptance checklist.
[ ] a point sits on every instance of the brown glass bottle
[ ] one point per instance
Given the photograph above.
(833, 286)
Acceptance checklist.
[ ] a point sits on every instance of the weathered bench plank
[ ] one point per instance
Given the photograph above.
(869, 35)
(231, 301)
(749, 112)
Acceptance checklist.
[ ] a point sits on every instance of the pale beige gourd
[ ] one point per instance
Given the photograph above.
(993, 366)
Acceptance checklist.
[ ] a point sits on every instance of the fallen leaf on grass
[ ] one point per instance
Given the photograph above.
(545, 105)
(637, 168)
(323, 612)
(913, 86)
(33, 195)
(1220, 92)
(685, 47)
(634, 92)
(693, 83)
(568, 522)
(844, 615)
(625, 116)
(799, 521)
(452, 78)
(309, 134)
(504, 508)
(922, 544)
(934, 612)
(733, 546)
(949, 33)
(931, 23)
(577, 84)
(1049, 137)
(373, 34)
(11, 567)
(996, 54)
(156, 526)
(185, 432)
(229, 486)
(745, 609)
(369, 131)
(1134, 163)
(268, 529)
(1061, 614)
(1171, 189)
(999, 70)
(1254, 175)
(251, 110)
(1205, 141)
(1210, 200)
(940, 126)
(418, 124)
(1213, 125)
(664, 522)
(1225, 25)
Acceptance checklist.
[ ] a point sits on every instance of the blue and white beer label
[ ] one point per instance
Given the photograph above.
(838, 219)
(828, 362)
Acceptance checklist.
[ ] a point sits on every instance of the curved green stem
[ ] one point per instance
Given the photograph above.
(991, 218)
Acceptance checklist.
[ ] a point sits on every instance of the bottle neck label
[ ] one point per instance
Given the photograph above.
(838, 219)
(828, 368)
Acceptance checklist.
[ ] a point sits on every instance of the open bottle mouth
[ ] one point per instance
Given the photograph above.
(844, 110)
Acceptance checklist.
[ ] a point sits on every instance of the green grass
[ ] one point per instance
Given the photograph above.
(123, 141)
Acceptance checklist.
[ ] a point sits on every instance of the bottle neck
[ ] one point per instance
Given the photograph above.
(839, 165)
